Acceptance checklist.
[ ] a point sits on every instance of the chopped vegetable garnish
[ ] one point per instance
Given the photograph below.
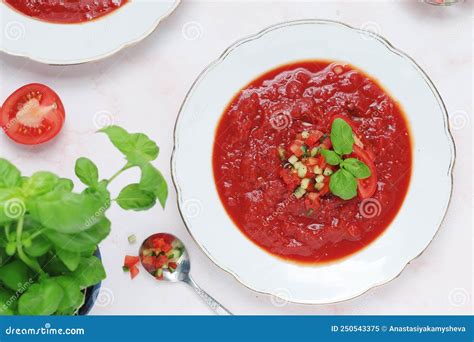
(132, 239)
(160, 253)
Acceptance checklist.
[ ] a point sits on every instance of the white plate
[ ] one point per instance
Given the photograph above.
(420, 215)
(64, 44)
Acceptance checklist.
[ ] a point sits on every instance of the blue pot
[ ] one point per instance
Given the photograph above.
(91, 293)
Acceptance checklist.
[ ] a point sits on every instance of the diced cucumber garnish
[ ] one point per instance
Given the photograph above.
(319, 179)
(305, 150)
(327, 172)
(319, 186)
(132, 239)
(304, 183)
(302, 170)
(159, 272)
(317, 170)
(293, 160)
(299, 192)
(305, 134)
(315, 151)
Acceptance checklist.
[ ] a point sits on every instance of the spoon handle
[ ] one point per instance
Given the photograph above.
(213, 304)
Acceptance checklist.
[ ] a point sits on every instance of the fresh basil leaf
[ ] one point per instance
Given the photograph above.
(119, 137)
(39, 183)
(137, 147)
(70, 259)
(341, 137)
(67, 212)
(7, 302)
(81, 242)
(9, 174)
(343, 184)
(331, 157)
(87, 172)
(39, 247)
(42, 298)
(51, 264)
(357, 168)
(73, 296)
(64, 184)
(15, 275)
(90, 272)
(144, 149)
(133, 198)
(153, 181)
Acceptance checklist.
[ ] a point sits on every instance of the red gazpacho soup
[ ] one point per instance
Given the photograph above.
(312, 160)
(66, 12)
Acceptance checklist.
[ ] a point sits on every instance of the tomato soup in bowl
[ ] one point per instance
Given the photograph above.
(312, 160)
(66, 12)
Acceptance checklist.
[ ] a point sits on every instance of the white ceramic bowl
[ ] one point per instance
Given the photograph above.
(420, 215)
(64, 44)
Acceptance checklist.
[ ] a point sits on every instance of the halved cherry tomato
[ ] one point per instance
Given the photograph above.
(134, 271)
(130, 261)
(33, 114)
(366, 187)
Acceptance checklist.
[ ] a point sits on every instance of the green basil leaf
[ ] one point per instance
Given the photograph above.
(64, 184)
(341, 137)
(15, 275)
(39, 247)
(87, 172)
(133, 198)
(137, 147)
(73, 296)
(9, 174)
(343, 184)
(67, 212)
(119, 137)
(153, 181)
(39, 183)
(70, 259)
(357, 168)
(7, 302)
(81, 242)
(331, 157)
(90, 272)
(42, 298)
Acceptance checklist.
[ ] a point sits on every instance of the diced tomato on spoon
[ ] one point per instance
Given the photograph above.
(33, 114)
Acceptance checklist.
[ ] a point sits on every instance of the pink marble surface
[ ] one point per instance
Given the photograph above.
(142, 87)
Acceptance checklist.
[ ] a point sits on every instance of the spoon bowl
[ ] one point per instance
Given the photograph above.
(165, 257)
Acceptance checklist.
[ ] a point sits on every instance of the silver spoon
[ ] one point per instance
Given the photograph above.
(182, 263)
